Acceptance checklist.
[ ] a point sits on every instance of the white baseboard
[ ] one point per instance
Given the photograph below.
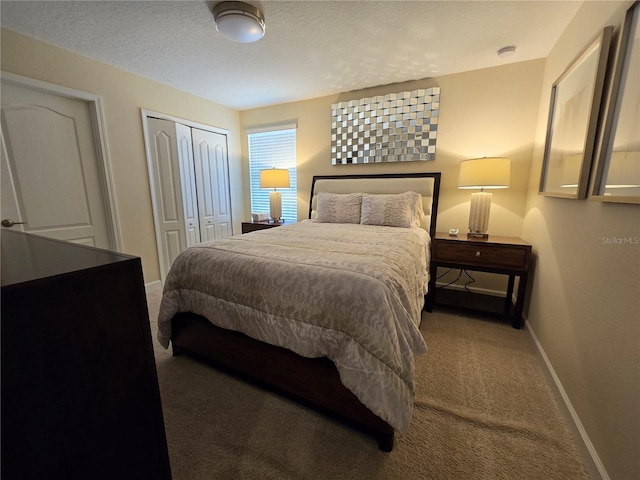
(590, 457)
(153, 286)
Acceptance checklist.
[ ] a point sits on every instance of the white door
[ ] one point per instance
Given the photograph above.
(188, 184)
(212, 177)
(51, 184)
(174, 186)
(189, 173)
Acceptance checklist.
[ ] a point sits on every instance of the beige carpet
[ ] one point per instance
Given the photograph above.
(483, 410)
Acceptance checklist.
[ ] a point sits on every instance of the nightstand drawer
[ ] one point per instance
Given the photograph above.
(507, 256)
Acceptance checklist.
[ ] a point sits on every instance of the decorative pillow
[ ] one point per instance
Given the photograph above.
(399, 210)
(418, 211)
(338, 207)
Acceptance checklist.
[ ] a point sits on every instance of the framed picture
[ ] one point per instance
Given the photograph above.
(618, 171)
(573, 121)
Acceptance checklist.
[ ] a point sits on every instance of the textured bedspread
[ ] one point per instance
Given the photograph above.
(352, 293)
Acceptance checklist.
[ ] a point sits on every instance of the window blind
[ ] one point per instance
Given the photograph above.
(273, 149)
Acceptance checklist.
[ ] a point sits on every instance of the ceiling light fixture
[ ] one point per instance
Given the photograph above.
(506, 51)
(239, 21)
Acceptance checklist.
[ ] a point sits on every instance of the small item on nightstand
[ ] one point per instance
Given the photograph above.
(259, 217)
(453, 232)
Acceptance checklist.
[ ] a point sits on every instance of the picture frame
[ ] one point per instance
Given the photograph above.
(617, 176)
(576, 98)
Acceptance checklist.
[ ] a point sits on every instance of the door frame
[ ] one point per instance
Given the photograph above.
(145, 114)
(98, 127)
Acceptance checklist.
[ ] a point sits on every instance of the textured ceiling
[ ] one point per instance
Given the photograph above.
(311, 48)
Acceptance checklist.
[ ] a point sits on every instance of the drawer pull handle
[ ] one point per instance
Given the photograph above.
(477, 253)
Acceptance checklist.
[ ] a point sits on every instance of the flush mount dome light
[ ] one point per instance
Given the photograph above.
(239, 21)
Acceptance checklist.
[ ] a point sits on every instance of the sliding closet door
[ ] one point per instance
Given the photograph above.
(174, 187)
(212, 180)
(189, 172)
(188, 184)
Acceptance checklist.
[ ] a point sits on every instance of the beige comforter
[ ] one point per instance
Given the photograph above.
(352, 293)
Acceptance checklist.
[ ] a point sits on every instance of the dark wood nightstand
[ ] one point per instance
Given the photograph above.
(504, 255)
(253, 226)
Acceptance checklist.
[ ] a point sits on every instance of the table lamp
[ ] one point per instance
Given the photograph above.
(482, 173)
(275, 178)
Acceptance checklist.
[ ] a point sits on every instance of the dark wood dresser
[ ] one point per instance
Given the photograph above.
(80, 395)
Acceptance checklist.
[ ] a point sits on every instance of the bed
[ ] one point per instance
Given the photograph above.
(325, 311)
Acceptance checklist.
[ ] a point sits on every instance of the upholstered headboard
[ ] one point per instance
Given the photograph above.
(426, 184)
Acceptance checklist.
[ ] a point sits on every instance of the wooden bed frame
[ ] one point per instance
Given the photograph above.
(314, 382)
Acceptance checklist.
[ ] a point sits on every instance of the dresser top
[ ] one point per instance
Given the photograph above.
(25, 257)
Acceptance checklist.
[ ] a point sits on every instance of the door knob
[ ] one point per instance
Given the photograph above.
(7, 222)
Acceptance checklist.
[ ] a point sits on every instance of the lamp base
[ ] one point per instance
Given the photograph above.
(484, 236)
(479, 215)
(275, 205)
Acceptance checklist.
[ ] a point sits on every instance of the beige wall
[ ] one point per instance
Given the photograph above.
(489, 112)
(585, 301)
(123, 95)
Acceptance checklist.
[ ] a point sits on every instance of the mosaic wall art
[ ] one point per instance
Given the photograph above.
(398, 127)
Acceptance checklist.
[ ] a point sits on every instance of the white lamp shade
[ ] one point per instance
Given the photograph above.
(485, 173)
(239, 21)
(274, 178)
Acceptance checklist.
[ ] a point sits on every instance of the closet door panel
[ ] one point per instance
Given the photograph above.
(212, 179)
(188, 184)
(223, 215)
(168, 188)
(206, 187)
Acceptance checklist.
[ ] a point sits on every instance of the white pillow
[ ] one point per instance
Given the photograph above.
(338, 207)
(393, 210)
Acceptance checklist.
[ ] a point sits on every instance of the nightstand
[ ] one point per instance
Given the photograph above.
(504, 255)
(253, 226)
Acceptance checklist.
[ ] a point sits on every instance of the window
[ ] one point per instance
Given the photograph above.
(273, 149)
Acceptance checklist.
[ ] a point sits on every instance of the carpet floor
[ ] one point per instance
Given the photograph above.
(483, 410)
